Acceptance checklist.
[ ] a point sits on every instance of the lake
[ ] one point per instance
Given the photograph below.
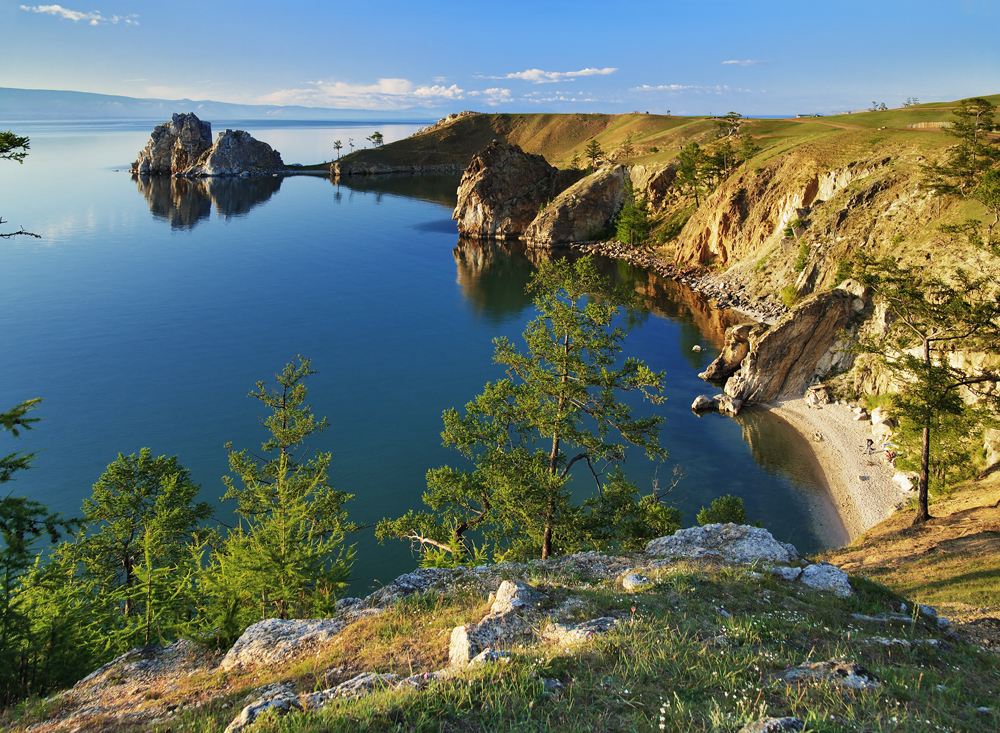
(149, 309)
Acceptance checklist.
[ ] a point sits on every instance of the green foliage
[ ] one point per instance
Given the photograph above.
(845, 270)
(729, 125)
(690, 161)
(338, 146)
(973, 155)
(560, 398)
(376, 139)
(628, 147)
(632, 225)
(802, 258)
(287, 558)
(593, 151)
(654, 149)
(928, 319)
(724, 509)
(619, 518)
(13, 147)
(987, 192)
(674, 224)
(790, 296)
(956, 446)
(749, 148)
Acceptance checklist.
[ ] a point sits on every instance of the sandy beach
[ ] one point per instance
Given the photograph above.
(861, 486)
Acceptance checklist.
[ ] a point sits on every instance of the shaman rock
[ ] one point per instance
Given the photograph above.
(581, 212)
(236, 152)
(174, 146)
(502, 190)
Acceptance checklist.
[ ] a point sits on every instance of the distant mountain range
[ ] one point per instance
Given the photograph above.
(49, 105)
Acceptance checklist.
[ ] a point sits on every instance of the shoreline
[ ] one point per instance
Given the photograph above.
(863, 494)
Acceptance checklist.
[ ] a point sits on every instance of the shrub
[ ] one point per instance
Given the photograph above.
(789, 295)
(803, 257)
(726, 508)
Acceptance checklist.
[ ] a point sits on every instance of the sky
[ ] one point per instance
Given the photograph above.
(685, 56)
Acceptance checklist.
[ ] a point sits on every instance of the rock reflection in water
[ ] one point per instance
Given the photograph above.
(433, 188)
(781, 451)
(184, 202)
(493, 276)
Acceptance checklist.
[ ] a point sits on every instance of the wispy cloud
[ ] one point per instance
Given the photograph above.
(94, 17)
(537, 76)
(384, 94)
(716, 89)
(746, 62)
(493, 96)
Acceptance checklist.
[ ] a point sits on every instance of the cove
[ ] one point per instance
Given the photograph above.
(150, 308)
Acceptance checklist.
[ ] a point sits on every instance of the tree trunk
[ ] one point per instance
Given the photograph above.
(925, 454)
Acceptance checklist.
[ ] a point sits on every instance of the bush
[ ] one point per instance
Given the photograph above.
(803, 257)
(789, 296)
(725, 509)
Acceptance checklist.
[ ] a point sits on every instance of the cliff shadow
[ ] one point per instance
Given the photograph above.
(184, 202)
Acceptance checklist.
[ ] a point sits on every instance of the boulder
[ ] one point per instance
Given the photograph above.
(818, 395)
(580, 213)
(503, 189)
(786, 358)
(735, 543)
(567, 634)
(703, 402)
(786, 572)
(826, 577)
(837, 673)
(511, 617)
(728, 405)
(736, 347)
(174, 146)
(774, 725)
(236, 152)
(636, 581)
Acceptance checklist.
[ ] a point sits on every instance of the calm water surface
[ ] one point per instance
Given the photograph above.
(149, 308)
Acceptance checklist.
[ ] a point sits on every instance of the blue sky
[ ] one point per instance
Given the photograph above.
(689, 57)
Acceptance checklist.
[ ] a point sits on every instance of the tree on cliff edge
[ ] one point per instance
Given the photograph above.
(928, 320)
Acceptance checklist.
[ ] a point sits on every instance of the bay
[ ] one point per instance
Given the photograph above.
(149, 309)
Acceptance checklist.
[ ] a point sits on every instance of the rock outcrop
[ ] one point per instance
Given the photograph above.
(580, 213)
(736, 348)
(510, 618)
(174, 146)
(800, 348)
(653, 184)
(503, 189)
(234, 153)
(734, 543)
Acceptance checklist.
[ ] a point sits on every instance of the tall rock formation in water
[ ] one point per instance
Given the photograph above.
(174, 146)
(580, 213)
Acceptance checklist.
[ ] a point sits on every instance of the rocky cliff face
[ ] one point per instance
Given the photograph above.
(581, 212)
(174, 146)
(800, 348)
(653, 183)
(502, 191)
(236, 152)
(736, 348)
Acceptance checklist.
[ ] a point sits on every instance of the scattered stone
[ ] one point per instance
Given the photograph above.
(818, 395)
(697, 348)
(883, 618)
(789, 574)
(489, 655)
(728, 405)
(943, 623)
(826, 577)
(730, 542)
(928, 611)
(841, 674)
(636, 581)
(905, 643)
(278, 697)
(703, 402)
(510, 617)
(576, 633)
(774, 725)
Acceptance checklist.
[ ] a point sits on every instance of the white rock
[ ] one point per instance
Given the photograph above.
(903, 481)
(732, 542)
(703, 402)
(636, 581)
(826, 577)
(696, 347)
(789, 574)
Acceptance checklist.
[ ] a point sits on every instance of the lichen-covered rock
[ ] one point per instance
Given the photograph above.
(786, 572)
(236, 152)
(174, 146)
(510, 618)
(827, 577)
(736, 543)
(838, 673)
(278, 697)
(774, 725)
(785, 359)
(580, 213)
(502, 190)
(736, 348)
(576, 633)
(636, 581)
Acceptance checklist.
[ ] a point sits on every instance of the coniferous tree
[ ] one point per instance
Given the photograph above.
(558, 409)
(287, 557)
(973, 154)
(593, 151)
(689, 168)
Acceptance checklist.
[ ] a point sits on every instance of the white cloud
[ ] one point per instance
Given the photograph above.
(537, 76)
(493, 96)
(94, 16)
(384, 94)
(716, 89)
(745, 62)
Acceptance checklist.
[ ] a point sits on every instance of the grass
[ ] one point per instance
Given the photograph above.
(698, 651)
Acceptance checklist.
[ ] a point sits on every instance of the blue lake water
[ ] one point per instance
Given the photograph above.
(148, 310)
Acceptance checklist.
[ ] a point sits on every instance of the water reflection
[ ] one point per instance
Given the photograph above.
(184, 202)
(433, 188)
(493, 276)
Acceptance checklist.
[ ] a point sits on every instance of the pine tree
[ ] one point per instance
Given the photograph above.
(973, 155)
(593, 151)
